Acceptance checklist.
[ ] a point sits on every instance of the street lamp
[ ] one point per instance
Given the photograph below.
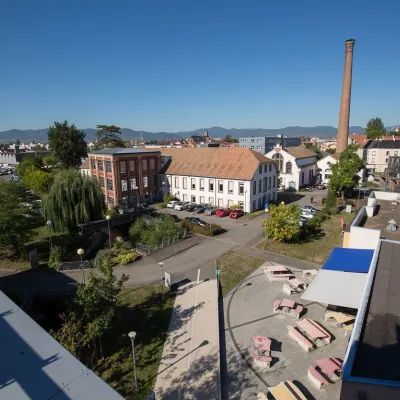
(80, 253)
(162, 278)
(108, 217)
(132, 336)
(49, 224)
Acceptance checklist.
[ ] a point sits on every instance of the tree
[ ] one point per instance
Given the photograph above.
(316, 150)
(109, 136)
(67, 144)
(73, 199)
(283, 223)
(331, 151)
(37, 180)
(344, 172)
(230, 139)
(375, 128)
(17, 221)
(27, 164)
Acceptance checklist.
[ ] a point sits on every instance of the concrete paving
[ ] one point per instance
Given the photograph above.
(248, 312)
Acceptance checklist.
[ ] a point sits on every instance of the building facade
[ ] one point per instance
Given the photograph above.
(297, 166)
(264, 144)
(220, 177)
(376, 154)
(127, 176)
(324, 171)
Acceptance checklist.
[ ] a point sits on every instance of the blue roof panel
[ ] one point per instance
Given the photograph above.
(349, 260)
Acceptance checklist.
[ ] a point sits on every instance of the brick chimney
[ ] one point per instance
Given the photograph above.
(344, 116)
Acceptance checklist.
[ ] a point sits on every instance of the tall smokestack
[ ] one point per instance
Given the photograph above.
(344, 116)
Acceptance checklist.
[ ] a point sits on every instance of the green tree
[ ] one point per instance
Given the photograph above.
(283, 223)
(27, 164)
(375, 128)
(37, 180)
(73, 199)
(17, 222)
(67, 144)
(230, 139)
(344, 172)
(331, 151)
(49, 161)
(316, 150)
(109, 136)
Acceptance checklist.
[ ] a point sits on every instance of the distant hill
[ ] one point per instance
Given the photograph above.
(40, 135)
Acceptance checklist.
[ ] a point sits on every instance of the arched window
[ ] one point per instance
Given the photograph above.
(288, 167)
(278, 160)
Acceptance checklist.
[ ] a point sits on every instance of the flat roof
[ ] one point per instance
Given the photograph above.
(122, 150)
(33, 365)
(349, 260)
(378, 347)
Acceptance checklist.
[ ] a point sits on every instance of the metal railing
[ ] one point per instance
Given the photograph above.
(168, 241)
(73, 265)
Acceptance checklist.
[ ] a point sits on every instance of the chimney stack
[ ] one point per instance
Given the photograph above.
(344, 116)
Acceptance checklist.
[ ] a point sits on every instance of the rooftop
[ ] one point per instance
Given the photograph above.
(299, 152)
(121, 150)
(383, 144)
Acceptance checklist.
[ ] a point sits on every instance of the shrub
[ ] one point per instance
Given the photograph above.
(167, 198)
(207, 230)
(56, 255)
(125, 258)
(101, 257)
(349, 203)
(185, 224)
(112, 211)
(236, 206)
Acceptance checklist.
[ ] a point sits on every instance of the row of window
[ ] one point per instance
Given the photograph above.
(387, 153)
(211, 182)
(124, 166)
(262, 184)
(124, 183)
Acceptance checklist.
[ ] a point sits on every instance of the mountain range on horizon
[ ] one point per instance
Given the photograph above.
(40, 135)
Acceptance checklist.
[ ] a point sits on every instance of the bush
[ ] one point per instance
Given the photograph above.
(125, 258)
(56, 255)
(236, 206)
(167, 198)
(207, 230)
(101, 257)
(185, 224)
(349, 203)
(112, 211)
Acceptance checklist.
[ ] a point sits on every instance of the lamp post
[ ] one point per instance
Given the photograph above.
(80, 253)
(132, 336)
(49, 224)
(108, 217)
(162, 278)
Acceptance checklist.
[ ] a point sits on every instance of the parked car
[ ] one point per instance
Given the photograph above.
(222, 212)
(307, 215)
(190, 207)
(309, 209)
(172, 204)
(199, 209)
(195, 220)
(174, 217)
(210, 211)
(180, 206)
(321, 186)
(236, 213)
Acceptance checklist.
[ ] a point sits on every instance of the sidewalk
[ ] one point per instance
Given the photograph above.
(189, 367)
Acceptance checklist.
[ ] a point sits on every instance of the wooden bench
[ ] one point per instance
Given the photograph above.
(262, 361)
(317, 378)
(301, 340)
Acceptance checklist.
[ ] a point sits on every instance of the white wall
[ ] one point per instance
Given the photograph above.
(389, 196)
(324, 164)
(364, 238)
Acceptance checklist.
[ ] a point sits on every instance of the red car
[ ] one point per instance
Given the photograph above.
(223, 212)
(236, 214)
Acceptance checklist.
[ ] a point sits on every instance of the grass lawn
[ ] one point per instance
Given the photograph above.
(317, 250)
(234, 268)
(254, 214)
(144, 311)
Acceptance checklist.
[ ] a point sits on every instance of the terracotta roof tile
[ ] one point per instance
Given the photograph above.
(299, 152)
(218, 162)
(85, 164)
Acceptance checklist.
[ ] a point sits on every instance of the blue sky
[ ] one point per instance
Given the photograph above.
(174, 65)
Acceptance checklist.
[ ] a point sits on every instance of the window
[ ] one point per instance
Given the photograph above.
(241, 204)
(122, 167)
(260, 169)
(193, 183)
(176, 182)
(270, 167)
(110, 184)
(230, 187)
(288, 167)
(93, 161)
(259, 140)
(111, 200)
(220, 186)
(145, 181)
(302, 177)
(269, 182)
(102, 181)
(184, 197)
(132, 166)
(259, 147)
(124, 185)
(100, 165)
(184, 183)
(274, 181)
(310, 174)
(259, 186)
(254, 187)
(202, 200)
(193, 199)
(211, 200)
(108, 166)
(241, 188)
(265, 168)
(252, 147)
(386, 160)
(220, 202)
(254, 205)
(252, 140)
(153, 180)
(265, 184)
(152, 164)
(278, 160)
(201, 184)
(133, 184)
(387, 153)
(373, 160)
(327, 176)
(211, 185)
(94, 177)
(374, 153)
(395, 153)
(230, 203)
(144, 165)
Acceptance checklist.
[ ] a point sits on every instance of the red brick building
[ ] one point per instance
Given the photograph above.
(127, 176)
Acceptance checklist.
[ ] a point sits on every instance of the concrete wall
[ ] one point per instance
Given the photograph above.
(364, 238)
(352, 391)
(359, 217)
(389, 196)
(371, 205)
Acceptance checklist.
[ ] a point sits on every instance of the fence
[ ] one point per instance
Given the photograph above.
(72, 265)
(147, 249)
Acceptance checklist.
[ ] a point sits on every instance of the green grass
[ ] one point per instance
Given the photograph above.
(235, 267)
(144, 311)
(317, 249)
(254, 214)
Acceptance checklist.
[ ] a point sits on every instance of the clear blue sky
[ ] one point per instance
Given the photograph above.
(169, 65)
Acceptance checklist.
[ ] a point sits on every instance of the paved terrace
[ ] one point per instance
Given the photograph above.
(248, 312)
(385, 212)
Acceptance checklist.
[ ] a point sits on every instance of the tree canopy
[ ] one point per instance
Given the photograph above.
(230, 139)
(29, 163)
(283, 223)
(109, 136)
(316, 150)
(38, 180)
(67, 144)
(375, 128)
(73, 199)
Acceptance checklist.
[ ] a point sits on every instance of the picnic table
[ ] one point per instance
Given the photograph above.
(288, 307)
(345, 321)
(314, 330)
(262, 355)
(294, 285)
(286, 390)
(262, 343)
(330, 366)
